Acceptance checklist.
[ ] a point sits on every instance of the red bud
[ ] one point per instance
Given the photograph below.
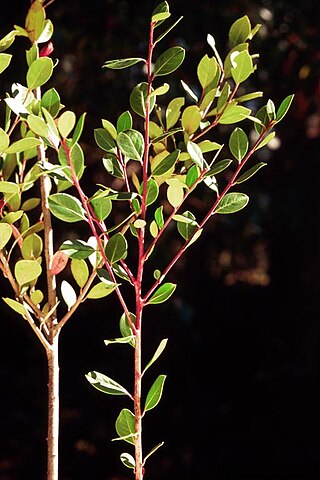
(46, 50)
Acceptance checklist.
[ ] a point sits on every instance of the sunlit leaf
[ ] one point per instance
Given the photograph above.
(284, 107)
(5, 234)
(5, 60)
(128, 460)
(156, 354)
(100, 290)
(68, 294)
(105, 384)
(191, 118)
(155, 393)
(16, 306)
(138, 99)
(240, 30)
(23, 144)
(131, 144)
(39, 72)
(122, 63)
(26, 271)
(66, 207)
(66, 123)
(232, 202)
(162, 293)
(238, 143)
(77, 249)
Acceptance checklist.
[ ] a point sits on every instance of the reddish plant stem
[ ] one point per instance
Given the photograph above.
(91, 222)
(230, 184)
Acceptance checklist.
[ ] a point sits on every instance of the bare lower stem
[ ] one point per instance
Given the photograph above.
(53, 410)
(137, 408)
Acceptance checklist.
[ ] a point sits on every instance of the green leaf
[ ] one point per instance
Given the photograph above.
(234, 114)
(16, 306)
(175, 194)
(32, 54)
(223, 98)
(169, 61)
(155, 393)
(266, 140)
(166, 164)
(128, 460)
(249, 173)
(77, 249)
(80, 271)
(263, 116)
(39, 72)
(23, 144)
(36, 297)
(192, 176)
(9, 187)
(104, 140)
(66, 207)
(158, 215)
(161, 12)
(207, 70)
(5, 60)
(190, 92)
(249, 96)
(232, 202)
(173, 111)
(7, 41)
(110, 128)
(219, 167)
(124, 122)
(271, 110)
(191, 118)
(122, 63)
(100, 290)
(284, 107)
(162, 90)
(238, 143)
(119, 340)
(102, 207)
(106, 384)
(240, 31)
(162, 293)
(125, 426)
(187, 229)
(47, 32)
(12, 217)
(113, 165)
(79, 128)
(5, 234)
(116, 248)
(66, 123)
(26, 271)
(154, 449)
(131, 144)
(125, 328)
(138, 99)
(77, 159)
(166, 134)
(152, 191)
(38, 125)
(32, 246)
(4, 140)
(51, 102)
(157, 354)
(68, 294)
(242, 66)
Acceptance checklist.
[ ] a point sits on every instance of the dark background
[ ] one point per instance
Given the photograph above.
(241, 399)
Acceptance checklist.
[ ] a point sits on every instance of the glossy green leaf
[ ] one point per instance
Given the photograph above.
(240, 31)
(191, 118)
(102, 207)
(266, 140)
(152, 191)
(78, 129)
(80, 271)
(68, 294)
(77, 249)
(116, 248)
(128, 460)
(16, 306)
(138, 99)
(5, 60)
(224, 96)
(39, 72)
(284, 107)
(66, 207)
(38, 125)
(26, 271)
(162, 293)
(125, 426)
(51, 102)
(124, 122)
(234, 114)
(106, 384)
(232, 202)
(100, 290)
(192, 175)
(242, 66)
(249, 173)
(76, 157)
(7, 40)
(131, 144)
(263, 116)
(125, 328)
(161, 12)
(66, 123)
(219, 167)
(169, 61)
(207, 70)
(157, 354)
(173, 111)
(32, 54)
(167, 134)
(23, 144)
(238, 143)
(162, 90)
(166, 164)
(187, 229)
(155, 393)
(122, 63)
(158, 215)
(5, 234)
(113, 165)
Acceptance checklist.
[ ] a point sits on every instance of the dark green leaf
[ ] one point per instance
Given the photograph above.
(219, 167)
(104, 140)
(284, 107)
(125, 426)
(169, 61)
(77, 249)
(77, 159)
(113, 166)
(249, 173)
(166, 164)
(79, 128)
(187, 229)
(116, 248)
(124, 122)
(155, 393)
(66, 207)
(102, 207)
(192, 175)
(158, 215)
(138, 99)
(125, 328)
(51, 102)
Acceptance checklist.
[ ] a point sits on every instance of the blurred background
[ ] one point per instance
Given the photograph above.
(241, 399)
